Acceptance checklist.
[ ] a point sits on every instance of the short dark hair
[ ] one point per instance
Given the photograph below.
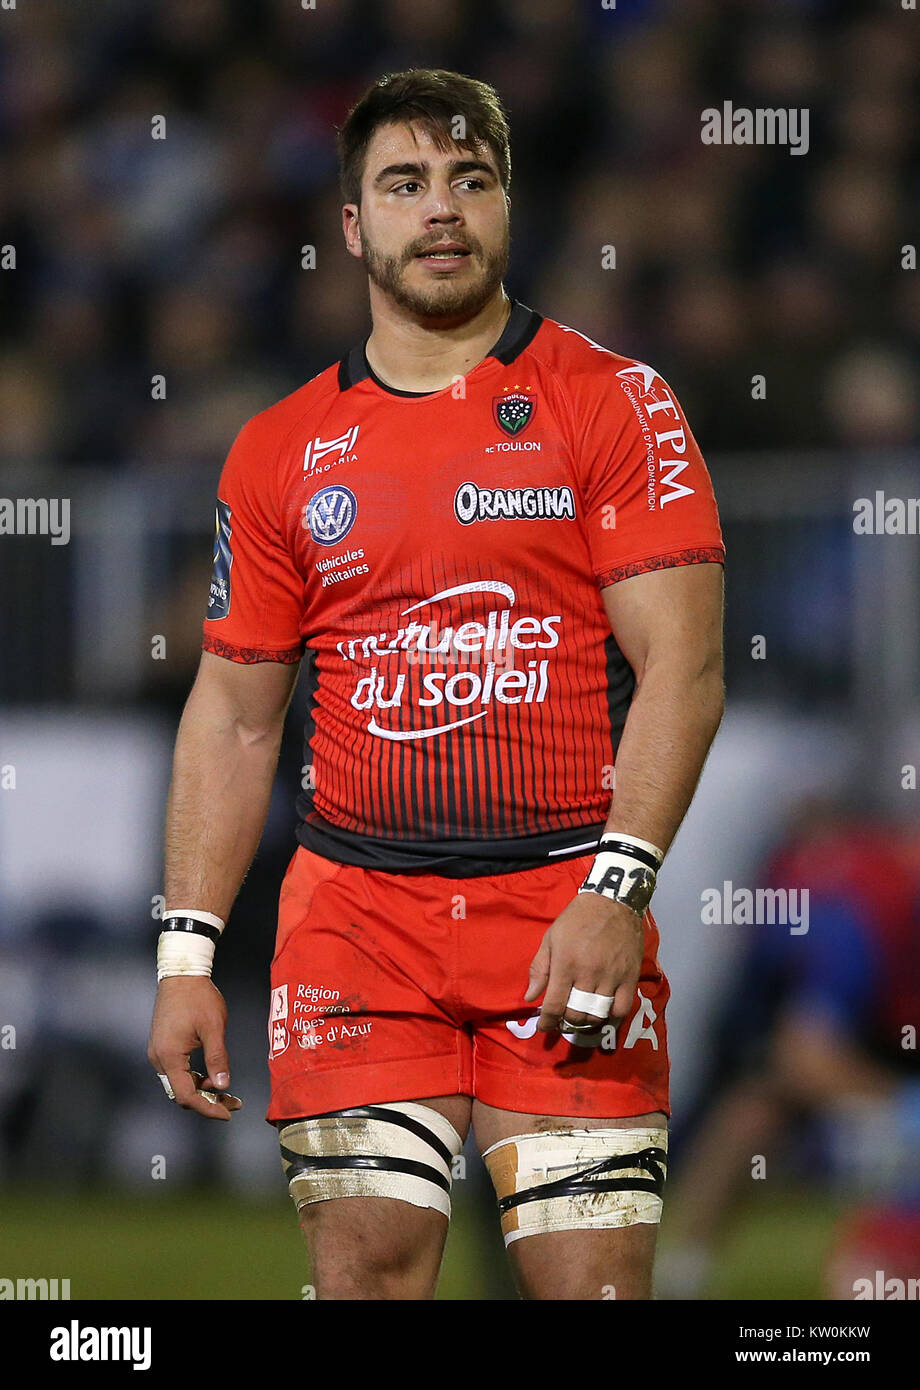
(434, 98)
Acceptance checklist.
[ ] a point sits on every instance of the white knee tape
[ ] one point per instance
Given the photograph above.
(403, 1150)
(582, 1179)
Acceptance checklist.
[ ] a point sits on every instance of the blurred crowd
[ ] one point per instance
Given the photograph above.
(181, 256)
(815, 1066)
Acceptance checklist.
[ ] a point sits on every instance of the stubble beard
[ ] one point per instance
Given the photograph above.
(446, 299)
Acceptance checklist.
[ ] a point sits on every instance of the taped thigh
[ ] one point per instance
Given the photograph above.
(402, 1150)
(583, 1179)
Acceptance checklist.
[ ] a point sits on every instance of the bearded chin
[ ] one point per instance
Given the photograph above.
(446, 300)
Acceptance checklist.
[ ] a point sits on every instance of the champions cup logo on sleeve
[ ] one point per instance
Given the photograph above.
(662, 430)
(219, 595)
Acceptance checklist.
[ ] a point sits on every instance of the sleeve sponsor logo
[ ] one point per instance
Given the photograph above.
(662, 430)
(219, 595)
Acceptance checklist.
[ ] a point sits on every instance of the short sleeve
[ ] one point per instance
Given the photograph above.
(648, 498)
(256, 595)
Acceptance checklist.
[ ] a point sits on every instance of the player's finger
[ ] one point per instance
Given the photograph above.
(215, 1055)
(208, 1092)
(554, 1001)
(227, 1098)
(206, 1083)
(186, 1091)
(593, 1005)
(208, 1103)
(623, 1002)
(161, 1075)
(179, 1078)
(539, 972)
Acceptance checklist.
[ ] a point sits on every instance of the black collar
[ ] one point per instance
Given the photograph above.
(518, 332)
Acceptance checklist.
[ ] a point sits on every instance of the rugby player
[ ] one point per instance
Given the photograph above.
(497, 545)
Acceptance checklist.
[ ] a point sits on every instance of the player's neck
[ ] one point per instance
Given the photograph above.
(410, 357)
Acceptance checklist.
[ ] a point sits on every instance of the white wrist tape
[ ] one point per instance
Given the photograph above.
(188, 952)
(625, 870)
(183, 953)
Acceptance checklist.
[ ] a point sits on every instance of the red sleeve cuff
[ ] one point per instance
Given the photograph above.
(250, 655)
(701, 555)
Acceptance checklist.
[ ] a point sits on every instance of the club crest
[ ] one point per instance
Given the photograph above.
(514, 412)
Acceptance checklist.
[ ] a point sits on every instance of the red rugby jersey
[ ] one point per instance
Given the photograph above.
(439, 558)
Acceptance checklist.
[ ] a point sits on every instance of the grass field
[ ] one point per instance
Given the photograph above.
(224, 1246)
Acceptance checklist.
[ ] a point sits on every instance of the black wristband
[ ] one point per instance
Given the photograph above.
(610, 842)
(191, 924)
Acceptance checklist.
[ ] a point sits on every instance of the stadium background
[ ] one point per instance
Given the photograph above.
(181, 258)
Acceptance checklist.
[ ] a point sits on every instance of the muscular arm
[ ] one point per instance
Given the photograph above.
(223, 768)
(668, 624)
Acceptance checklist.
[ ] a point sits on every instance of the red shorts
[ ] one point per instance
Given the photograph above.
(391, 987)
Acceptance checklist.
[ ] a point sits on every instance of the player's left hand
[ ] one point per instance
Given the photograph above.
(594, 945)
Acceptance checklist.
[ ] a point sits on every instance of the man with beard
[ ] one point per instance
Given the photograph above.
(497, 544)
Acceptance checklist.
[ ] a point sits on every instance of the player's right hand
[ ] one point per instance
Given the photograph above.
(190, 1013)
